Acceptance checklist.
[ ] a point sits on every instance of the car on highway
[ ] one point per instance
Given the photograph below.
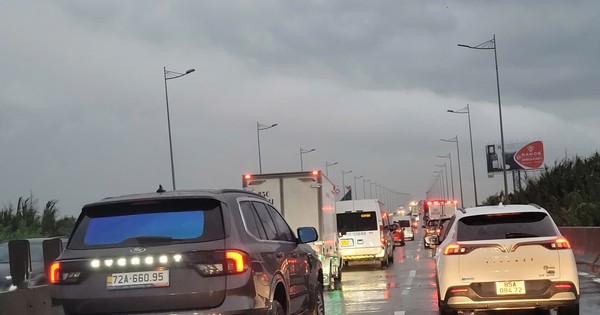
(37, 275)
(505, 257)
(222, 251)
(433, 227)
(398, 235)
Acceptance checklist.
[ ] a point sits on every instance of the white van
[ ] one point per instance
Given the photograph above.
(365, 231)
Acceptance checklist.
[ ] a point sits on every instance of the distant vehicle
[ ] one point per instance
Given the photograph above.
(405, 223)
(436, 208)
(398, 235)
(366, 233)
(203, 251)
(37, 275)
(305, 199)
(505, 258)
(433, 227)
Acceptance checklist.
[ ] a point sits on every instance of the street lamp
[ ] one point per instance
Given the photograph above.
(327, 165)
(467, 111)
(343, 183)
(441, 174)
(445, 166)
(491, 44)
(260, 127)
(455, 139)
(302, 152)
(169, 75)
(356, 190)
(364, 191)
(449, 156)
(371, 189)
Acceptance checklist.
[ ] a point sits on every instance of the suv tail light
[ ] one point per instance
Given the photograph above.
(54, 273)
(560, 243)
(235, 262)
(455, 249)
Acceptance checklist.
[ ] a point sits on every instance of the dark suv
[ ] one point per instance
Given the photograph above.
(187, 252)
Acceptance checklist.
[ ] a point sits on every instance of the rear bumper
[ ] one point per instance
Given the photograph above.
(546, 296)
(466, 304)
(376, 253)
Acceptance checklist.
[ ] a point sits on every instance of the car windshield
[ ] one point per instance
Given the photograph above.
(503, 226)
(356, 221)
(155, 223)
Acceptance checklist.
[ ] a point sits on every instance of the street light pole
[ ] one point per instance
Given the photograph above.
(364, 191)
(467, 110)
(302, 152)
(449, 156)
(260, 127)
(455, 139)
(343, 183)
(445, 166)
(169, 75)
(327, 165)
(355, 189)
(491, 44)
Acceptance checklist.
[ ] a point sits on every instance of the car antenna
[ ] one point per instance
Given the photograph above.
(160, 189)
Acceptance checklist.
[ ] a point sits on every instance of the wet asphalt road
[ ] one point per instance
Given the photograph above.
(408, 287)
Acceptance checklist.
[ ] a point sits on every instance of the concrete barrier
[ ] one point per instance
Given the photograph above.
(585, 242)
(27, 301)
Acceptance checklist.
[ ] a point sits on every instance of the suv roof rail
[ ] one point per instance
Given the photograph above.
(463, 210)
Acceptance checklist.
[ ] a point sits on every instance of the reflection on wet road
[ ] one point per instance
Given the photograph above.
(408, 287)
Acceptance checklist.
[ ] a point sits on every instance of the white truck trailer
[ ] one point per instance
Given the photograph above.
(305, 199)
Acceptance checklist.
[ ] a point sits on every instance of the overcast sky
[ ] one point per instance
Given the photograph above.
(365, 83)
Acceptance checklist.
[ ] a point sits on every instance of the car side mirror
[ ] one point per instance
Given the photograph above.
(307, 234)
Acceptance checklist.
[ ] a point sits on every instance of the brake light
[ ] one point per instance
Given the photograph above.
(236, 262)
(560, 243)
(563, 286)
(438, 231)
(54, 273)
(315, 173)
(454, 249)
(382, 240)
(247, 177)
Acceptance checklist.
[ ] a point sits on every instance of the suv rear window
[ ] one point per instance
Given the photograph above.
(357, 221)
(505, 225)
(156, 222)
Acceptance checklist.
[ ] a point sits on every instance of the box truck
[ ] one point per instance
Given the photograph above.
(305, 199)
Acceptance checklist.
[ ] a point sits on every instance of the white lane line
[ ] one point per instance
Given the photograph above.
(412, 273)
(585, 274)
(399, 312)
(596, 280)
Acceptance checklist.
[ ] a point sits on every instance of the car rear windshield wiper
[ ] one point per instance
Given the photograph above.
(519, 235)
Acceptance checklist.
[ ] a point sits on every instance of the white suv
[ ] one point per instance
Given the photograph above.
(505, 257)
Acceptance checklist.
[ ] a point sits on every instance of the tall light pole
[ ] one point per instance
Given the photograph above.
(302, 152)
(364, 191)
(343, 183)
(371, 189)
(169, 75)
(491, 44)
(445, 166)
(327, 165)
(455, 139)
(449, 156)
(260, 127)
(355, 189)
(467, 111)
(441, 173)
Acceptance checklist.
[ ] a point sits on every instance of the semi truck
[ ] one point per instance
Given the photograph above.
(305, 199)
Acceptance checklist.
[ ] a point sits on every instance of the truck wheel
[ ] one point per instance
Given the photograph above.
(276, 308)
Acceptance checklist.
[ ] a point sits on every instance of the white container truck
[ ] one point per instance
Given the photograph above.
(305, 199)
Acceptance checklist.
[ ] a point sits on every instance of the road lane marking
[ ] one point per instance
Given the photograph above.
(399, 312)
(412, 273)
(596, 280)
